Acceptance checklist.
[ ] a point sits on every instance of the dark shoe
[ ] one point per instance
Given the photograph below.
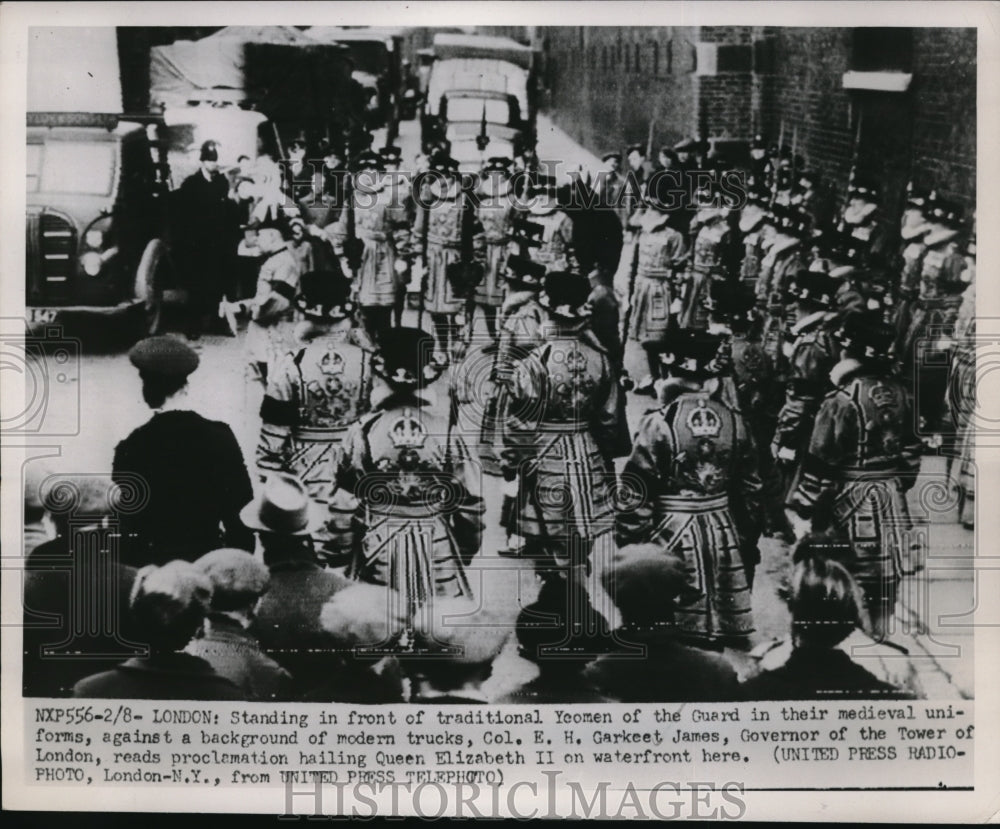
(647, 388)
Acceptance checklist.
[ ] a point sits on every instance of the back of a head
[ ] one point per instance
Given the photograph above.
(363, 616)
(643, 580)
(168, 604)
(459, 644)
(572, 636)
(238, 578)
(825, 603)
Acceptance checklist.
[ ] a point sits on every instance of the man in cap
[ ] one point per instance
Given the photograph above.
(225, 640)
(191, 469)
(316, 392)
(205, 233)
(453, 247)
(495, 213)
(862, 457)
(810, 352)
(563, 430)
(74, 576)
(455, 653)
(397, 461)
(648, 585)
(659, 252)
(373, 243)
(168, 605)
(924, 348)
(694, 473)
(782, 260)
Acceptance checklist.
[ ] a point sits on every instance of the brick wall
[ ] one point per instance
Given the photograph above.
(604, 85)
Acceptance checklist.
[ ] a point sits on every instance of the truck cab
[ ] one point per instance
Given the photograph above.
(96, 202)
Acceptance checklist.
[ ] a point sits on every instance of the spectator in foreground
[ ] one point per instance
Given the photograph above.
(455, 653)
(826, 607)
(168, 605)
(644, 581)
(226, 641)
(561, 640)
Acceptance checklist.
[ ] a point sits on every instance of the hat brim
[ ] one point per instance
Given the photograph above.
(250, 516)
(566, 312)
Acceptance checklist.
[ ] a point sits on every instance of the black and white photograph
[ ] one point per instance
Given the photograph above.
(504, 366)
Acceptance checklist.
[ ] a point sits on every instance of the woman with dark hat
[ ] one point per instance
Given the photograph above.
(318, 390)
(658, 254)
(862, 458)
(697, 491)
(415, 479)
(454, 248)
(193, 467)
(563, 427)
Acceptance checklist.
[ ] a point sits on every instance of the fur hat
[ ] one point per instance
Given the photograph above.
(165, 355)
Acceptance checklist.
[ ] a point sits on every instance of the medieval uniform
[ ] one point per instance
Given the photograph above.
(860, 221)
(272, 312)
(495, 214)
(451, 238)
(713, 258)
(416, 482)
(378, 220)
(555, 251)
(315, 393)
(781, 262)
(811, 353)
(757, 231)
(962, 399)
(861, 460)
(924, 346)
(658, 251)
(694, 468)
(564, 418)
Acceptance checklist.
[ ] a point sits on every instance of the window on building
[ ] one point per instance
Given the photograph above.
(637, 60)
(604, 57)
(882, 49)
(656, 58)
(627, 67)
(670, 57)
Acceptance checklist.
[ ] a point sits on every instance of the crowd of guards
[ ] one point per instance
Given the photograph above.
(790, 347)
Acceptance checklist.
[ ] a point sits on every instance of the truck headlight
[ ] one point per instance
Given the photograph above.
(93, 239)
(91, 263)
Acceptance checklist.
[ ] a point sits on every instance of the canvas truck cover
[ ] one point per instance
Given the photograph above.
(456, 46)
(276, 69)
(73, 69)
(477, 75)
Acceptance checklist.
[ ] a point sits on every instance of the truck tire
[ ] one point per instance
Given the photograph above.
(149, 281)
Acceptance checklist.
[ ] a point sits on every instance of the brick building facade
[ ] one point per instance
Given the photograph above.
(611, 86)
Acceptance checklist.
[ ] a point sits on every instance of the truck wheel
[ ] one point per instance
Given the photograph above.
(149, 281)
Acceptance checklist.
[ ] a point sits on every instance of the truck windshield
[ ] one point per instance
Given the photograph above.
(72, 167)
(471, 109)
(369, 56)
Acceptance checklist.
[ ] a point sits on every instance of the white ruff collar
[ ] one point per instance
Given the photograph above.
(842, 369)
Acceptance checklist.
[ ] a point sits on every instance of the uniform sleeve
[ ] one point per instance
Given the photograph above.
(566, 231)
(526, 386)
(834, 429)
(642, 480)
(467, 517)
(279, 415)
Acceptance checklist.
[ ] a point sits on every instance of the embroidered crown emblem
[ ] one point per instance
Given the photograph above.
(882, 396)
(407, 432)
(332, 363)
(704, 423)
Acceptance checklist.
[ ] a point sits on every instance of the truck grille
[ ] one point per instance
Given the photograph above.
(51, 258)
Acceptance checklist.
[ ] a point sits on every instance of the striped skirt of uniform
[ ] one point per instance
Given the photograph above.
(702, 533)
(651, 298)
